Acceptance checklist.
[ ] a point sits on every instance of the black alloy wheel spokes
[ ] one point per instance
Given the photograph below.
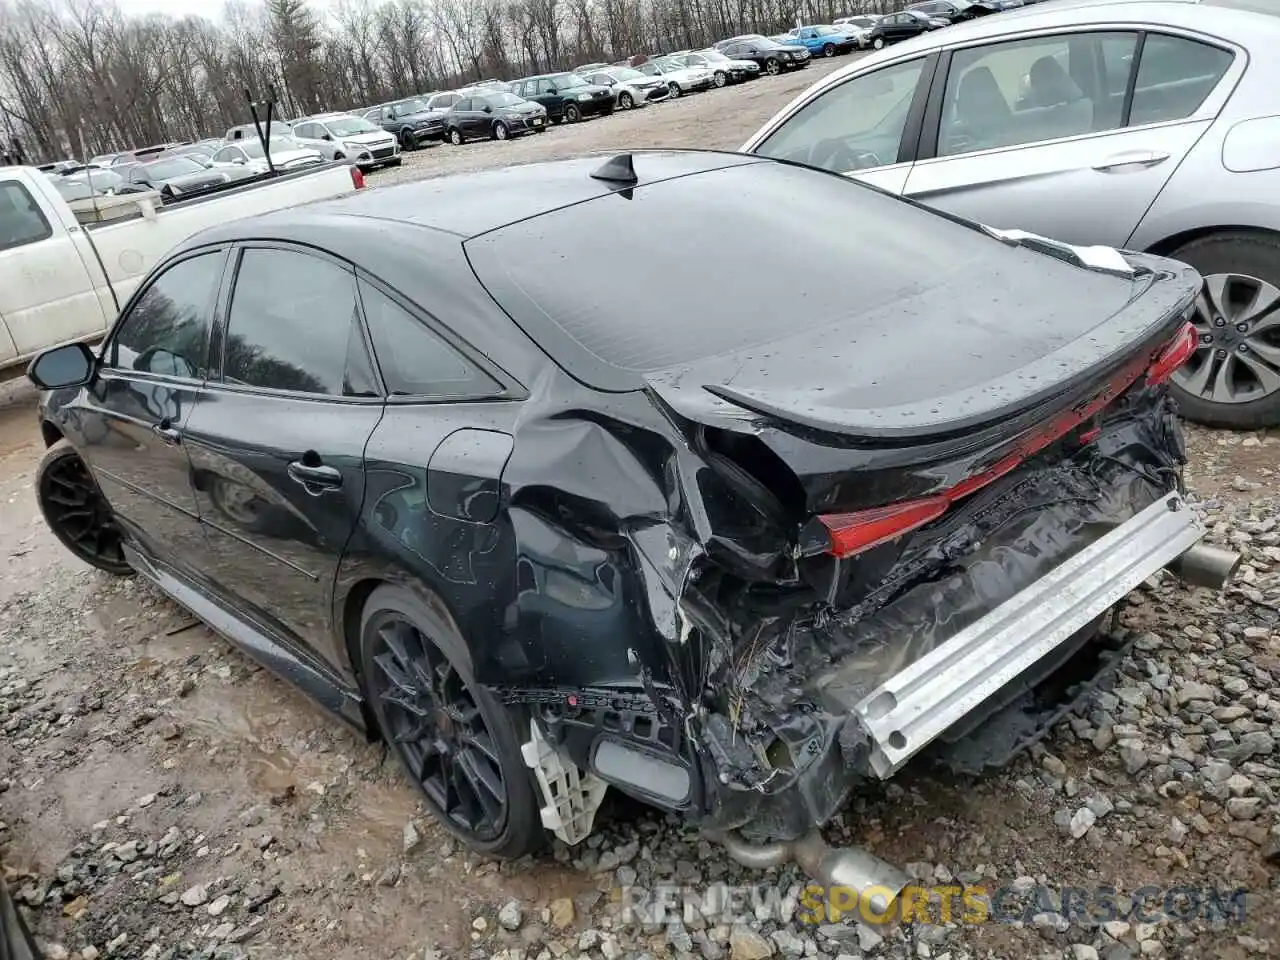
(435, 722)
(73, 503)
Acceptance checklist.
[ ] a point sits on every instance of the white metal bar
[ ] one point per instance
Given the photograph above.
(913, 707)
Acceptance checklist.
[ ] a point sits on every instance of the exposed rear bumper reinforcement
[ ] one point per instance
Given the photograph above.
(916, 705)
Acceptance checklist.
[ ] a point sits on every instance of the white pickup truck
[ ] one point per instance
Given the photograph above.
(63, 280)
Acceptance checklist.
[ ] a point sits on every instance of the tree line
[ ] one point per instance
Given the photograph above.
(78, 74)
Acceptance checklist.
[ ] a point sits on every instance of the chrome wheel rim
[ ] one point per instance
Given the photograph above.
(434, 722)
(1237, 358)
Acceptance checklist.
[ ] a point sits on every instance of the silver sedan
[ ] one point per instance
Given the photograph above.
(1147, 125)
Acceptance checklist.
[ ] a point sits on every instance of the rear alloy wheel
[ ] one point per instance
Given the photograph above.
(828, 50)
(572, 114)
(625, 102)
(500, 131)
(456, 742)
(407, 140)
(1233, 379)
(878, 43)
(772, 67)
(674, 90)
(719, 79)
(76, 511)
(455, 137)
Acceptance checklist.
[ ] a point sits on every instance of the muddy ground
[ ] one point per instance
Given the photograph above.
(162, 797)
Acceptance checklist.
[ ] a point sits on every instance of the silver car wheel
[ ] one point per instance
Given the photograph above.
(1238, 357)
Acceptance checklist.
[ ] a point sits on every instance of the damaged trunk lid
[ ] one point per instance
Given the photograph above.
(952, 352)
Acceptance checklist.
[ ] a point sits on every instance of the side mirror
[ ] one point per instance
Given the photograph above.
(70, 365)
(326, 137)
(488, 109)
(552, 90)
(239, 160)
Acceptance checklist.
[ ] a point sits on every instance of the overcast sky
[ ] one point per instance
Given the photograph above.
(211, 9)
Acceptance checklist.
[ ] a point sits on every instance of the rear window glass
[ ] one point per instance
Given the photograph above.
(704, 265)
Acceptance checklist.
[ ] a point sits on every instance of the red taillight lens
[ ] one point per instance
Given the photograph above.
(852, 533)
(855, 532)
(1175, 353)
(357, 178)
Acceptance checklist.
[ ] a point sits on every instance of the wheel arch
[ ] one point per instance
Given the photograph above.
(1166, 246)
(351, 604)
(50, 433)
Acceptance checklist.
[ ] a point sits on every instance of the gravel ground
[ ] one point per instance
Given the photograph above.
(162, 797)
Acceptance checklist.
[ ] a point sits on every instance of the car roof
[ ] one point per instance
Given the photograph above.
(468, 204)
(1225, 18)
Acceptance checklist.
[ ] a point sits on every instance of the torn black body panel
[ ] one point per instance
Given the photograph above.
(646, 622)
(795, 679)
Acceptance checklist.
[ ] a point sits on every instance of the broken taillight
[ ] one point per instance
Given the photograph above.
(1175, 353)
(853, 533)
(357, 178)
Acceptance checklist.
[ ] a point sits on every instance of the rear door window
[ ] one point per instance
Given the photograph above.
(1028, 91)
(414, 360)
(306, 341)
(21, 221)
(1175, 75)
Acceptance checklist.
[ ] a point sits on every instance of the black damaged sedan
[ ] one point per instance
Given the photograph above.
(473, 492)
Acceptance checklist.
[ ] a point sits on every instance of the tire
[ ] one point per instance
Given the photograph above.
(67, 495)
(719, 79)
(407, 140)
(478, 738)
(1249, 387)
(500, 131)
(455, 136)
(877, 43)
(339, 156)
(572, 114)
(625, 101)
(828, 50)
(674, 90)
(772, 67)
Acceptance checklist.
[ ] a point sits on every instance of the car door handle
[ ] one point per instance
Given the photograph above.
(167, 433)
(1134, 160)
(319, 477)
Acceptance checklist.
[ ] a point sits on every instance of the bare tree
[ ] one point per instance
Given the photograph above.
(79, 68)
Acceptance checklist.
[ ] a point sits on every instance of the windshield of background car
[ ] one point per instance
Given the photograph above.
(825, 31)
(503, 99)
(768, 44)
(407, 107)
(623, 74)
(175, 167)
(350, 126)
(569, 277)
(715, 55)
(278, 145)
(567, 81)
(653, 68)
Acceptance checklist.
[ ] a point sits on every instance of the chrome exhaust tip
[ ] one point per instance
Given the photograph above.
(1205, 566)
(851, 869)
